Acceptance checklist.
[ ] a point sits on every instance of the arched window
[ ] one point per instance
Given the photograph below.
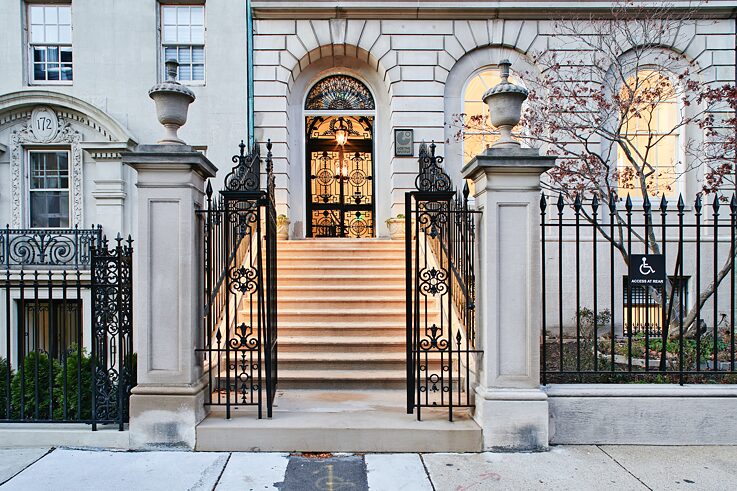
(649, 132)
(339, 93)
(476, 131)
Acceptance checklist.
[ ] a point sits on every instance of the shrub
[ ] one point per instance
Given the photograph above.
(27, 410)
(78, 387)
(4, 369)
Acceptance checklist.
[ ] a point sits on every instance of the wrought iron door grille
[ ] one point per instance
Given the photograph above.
(340, 178)
(440, 257)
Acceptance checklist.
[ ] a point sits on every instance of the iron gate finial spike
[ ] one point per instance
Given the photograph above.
(715, 204)
(543, 202)
(733, 203)
(681, 204)
(663, 203)
(698, 203)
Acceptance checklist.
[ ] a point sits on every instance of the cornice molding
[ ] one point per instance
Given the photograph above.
(456, 9)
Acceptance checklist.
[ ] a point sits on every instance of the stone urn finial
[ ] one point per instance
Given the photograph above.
(172, 102)
(505, 106)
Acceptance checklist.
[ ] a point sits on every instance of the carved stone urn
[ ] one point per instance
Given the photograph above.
(505, 106)
(172, 102)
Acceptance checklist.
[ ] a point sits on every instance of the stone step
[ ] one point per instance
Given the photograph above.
(338, 421)
(327, 261)
(321, 290)
(330, 270)
(374, 379)
(294, 279)
(328, 361)
(343, 344)
(343, 315)
(390, 246)
(340, 255)
(341, 302)
(341, 329)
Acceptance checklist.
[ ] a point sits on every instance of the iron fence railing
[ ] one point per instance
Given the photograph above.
(440, 282)
(67, 343)
(636, 292)
(239, 344)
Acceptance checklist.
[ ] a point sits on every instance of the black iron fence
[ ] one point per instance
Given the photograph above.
(67, 351)
(440, 256)
(636, 292)
(239, 344)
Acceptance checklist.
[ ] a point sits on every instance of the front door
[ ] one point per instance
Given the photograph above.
(340, 184)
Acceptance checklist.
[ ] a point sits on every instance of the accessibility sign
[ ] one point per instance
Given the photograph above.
(647, 269)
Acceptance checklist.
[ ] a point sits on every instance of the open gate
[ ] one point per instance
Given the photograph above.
(440, 284)
(239, 262)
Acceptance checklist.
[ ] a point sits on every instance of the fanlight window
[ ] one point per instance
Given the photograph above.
(339, 93)
(478, 133)
(649, 132)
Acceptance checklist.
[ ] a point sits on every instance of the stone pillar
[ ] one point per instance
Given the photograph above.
(168, 401)
(510, 405)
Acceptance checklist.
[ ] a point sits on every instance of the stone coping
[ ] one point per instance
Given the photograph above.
(640, 390)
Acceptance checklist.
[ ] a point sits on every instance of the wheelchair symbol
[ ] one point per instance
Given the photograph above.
(645, 268)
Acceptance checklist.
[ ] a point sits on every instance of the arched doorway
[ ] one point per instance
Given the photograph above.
(339, 123)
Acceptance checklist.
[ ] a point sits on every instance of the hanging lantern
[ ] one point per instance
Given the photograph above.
(341, 132)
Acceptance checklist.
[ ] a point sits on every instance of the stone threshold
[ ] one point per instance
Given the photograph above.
(339, 421)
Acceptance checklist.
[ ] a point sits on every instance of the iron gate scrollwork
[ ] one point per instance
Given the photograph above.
(440, 284)
(112, 358)
(239, 259)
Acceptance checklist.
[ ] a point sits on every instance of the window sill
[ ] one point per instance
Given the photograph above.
(50, 82)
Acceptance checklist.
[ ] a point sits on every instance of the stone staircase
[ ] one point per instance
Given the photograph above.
(341, 361)
(341, 314)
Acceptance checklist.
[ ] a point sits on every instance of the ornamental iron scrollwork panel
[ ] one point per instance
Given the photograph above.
(440, 236)
(112, 357)
(432, 177)
(48, 247)
(239, 342)
(246, 174)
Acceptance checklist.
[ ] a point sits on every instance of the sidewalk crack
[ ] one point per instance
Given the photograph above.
(427, 473)
(26, 467)
(623, 467)
(221, 471)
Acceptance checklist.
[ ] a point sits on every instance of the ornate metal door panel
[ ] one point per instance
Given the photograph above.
(340, 178)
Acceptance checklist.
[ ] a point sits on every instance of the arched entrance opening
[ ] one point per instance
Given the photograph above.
(339, 131)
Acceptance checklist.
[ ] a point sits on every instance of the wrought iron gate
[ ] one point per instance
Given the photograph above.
(440, 285)
(239, 258)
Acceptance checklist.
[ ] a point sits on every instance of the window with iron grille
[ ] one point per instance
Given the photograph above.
(49, 326)
(646, 305)
(183, 39)
(48, 188)
(50, 43)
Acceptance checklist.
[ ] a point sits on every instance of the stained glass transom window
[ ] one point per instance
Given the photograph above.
(341, 93)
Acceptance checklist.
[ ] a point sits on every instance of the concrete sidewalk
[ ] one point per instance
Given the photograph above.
(570, 467)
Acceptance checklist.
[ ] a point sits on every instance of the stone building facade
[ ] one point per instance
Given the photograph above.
(78, 138)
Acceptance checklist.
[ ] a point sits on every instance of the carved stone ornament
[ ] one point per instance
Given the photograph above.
(52, 130)
(44, 124)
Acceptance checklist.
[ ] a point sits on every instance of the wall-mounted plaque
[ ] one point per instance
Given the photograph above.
(404, 143)
(44, 124)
